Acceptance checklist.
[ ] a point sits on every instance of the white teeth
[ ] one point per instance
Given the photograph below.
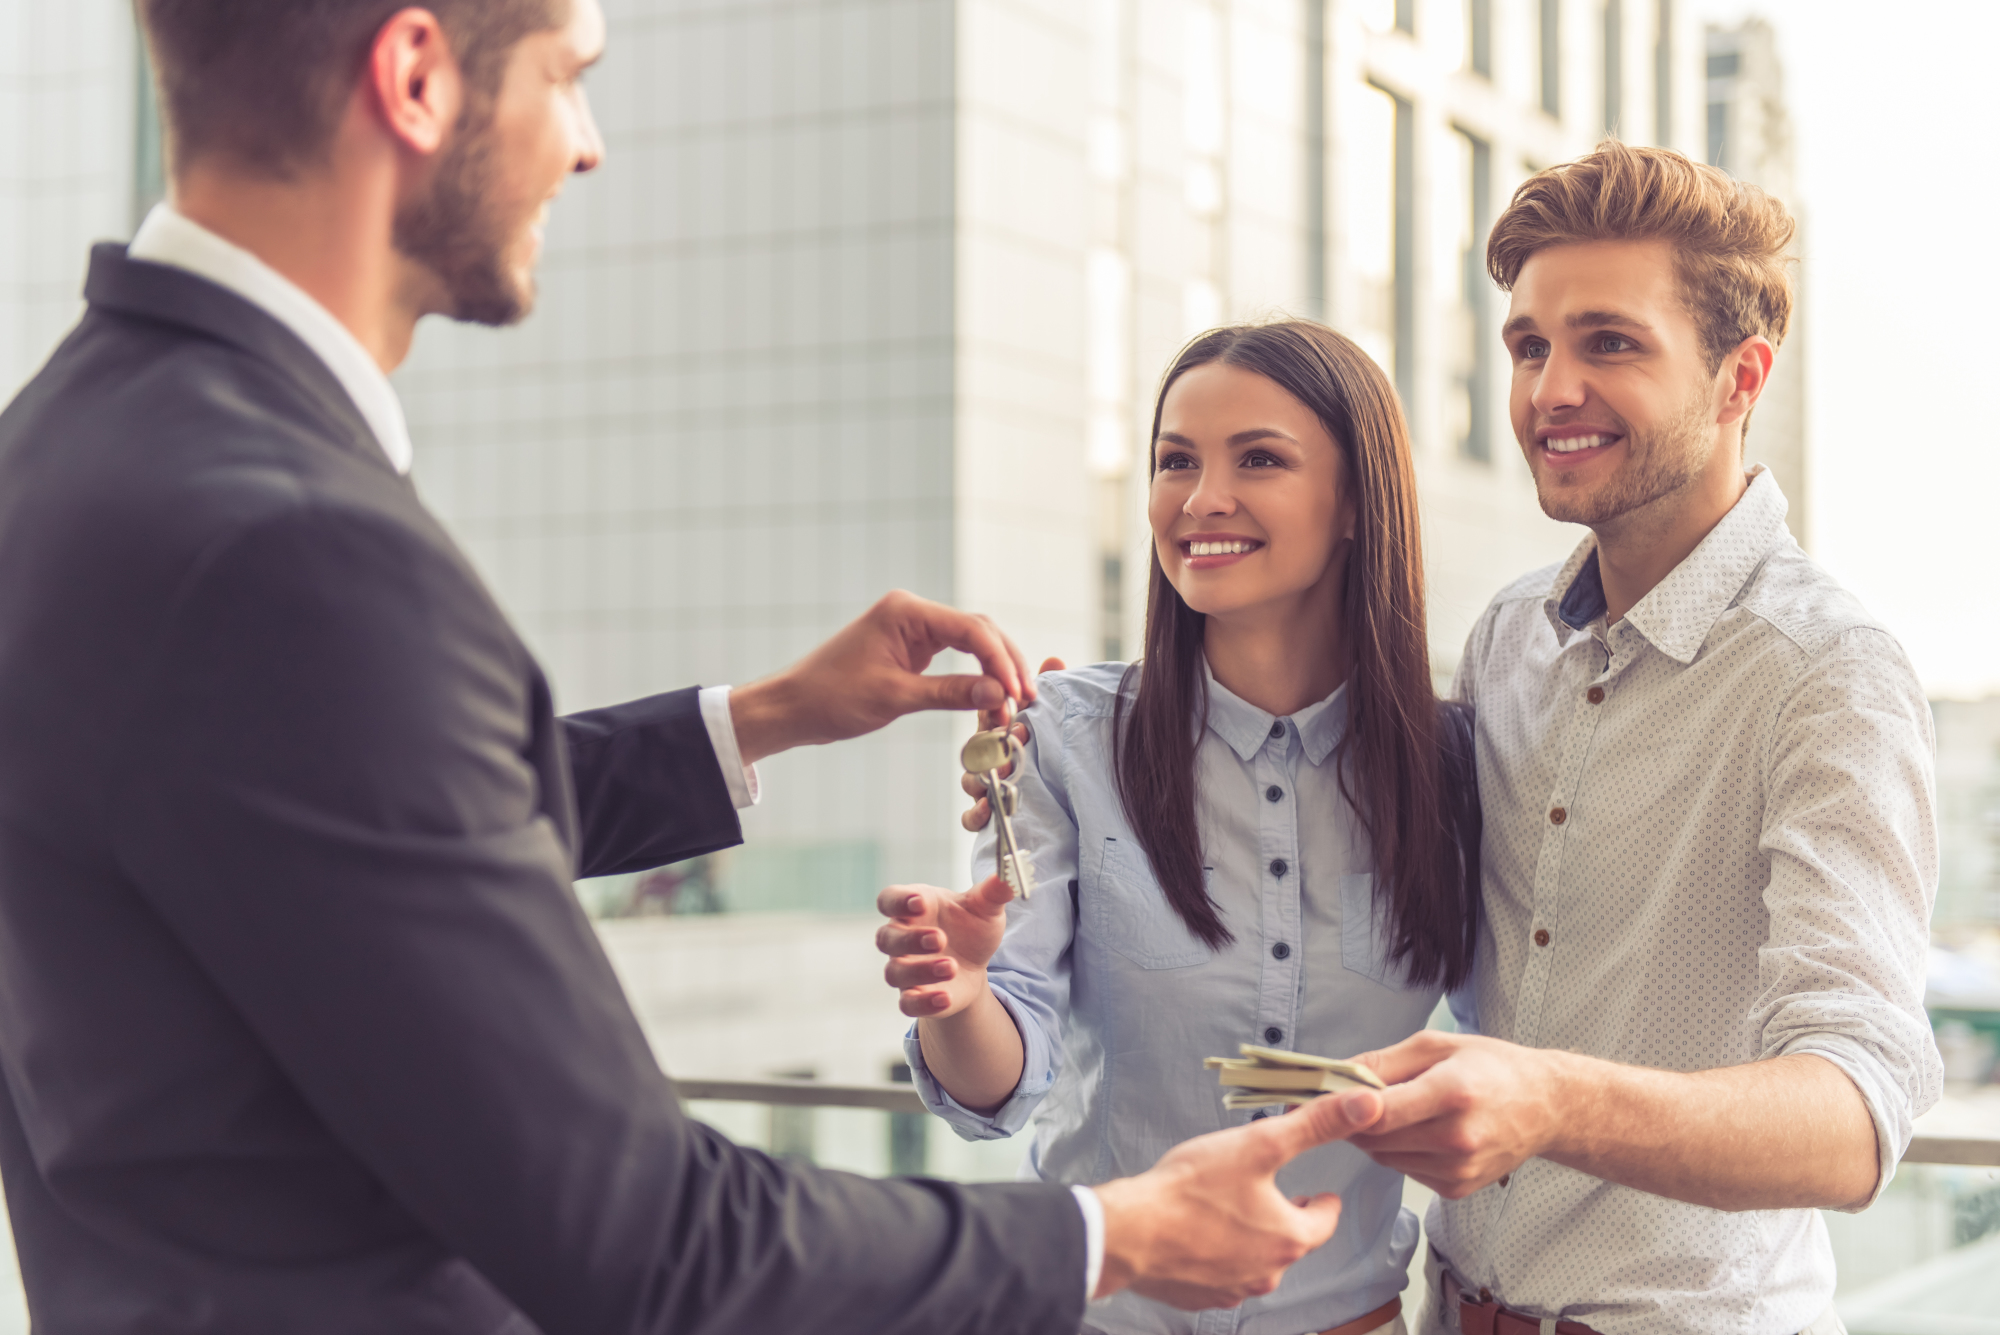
(1572, 444)
(1237, 548)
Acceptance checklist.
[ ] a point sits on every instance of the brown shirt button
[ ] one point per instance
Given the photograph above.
(1541, 936)
(1595, 695)
(1558, 816)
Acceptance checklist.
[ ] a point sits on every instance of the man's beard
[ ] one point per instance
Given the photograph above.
(455, 232)
(1658, 463)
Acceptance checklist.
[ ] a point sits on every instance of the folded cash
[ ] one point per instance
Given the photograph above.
(1272, 1077)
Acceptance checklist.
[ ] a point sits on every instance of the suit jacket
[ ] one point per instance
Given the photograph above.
(301, 1026)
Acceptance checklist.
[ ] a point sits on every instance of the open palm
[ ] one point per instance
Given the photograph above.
(938, 943)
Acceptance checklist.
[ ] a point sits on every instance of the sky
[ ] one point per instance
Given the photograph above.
(1899, 181)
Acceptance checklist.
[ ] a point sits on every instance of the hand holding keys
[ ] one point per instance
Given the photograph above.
(987, 755)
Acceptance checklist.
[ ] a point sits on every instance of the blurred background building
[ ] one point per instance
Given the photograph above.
(877, 293)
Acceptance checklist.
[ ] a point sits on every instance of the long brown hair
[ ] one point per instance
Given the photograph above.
(1391, 760)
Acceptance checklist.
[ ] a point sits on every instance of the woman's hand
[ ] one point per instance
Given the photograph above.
(938, 944)
(974, 784)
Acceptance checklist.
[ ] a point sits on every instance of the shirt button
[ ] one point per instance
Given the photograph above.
(1279, 867)
(1541, 936)
(1274, 793)
(1595, 695)
(1277, 730)
(1281, 951)
(1504, 1177)
(1558, 816)
(1274, 1035)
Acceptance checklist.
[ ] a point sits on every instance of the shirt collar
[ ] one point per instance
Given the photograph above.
(1247, 728)
(170, 237)
(1677, 614)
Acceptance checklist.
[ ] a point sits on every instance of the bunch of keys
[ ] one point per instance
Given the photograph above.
(986, 755)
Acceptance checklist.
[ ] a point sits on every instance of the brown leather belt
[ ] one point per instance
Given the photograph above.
(1368, 1321)
(1479, 1314)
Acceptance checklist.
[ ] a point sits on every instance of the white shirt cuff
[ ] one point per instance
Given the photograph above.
(1093, 1234)
(744, 790)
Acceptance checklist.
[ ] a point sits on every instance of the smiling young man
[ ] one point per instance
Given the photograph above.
(301, 1026)
(1710, 850)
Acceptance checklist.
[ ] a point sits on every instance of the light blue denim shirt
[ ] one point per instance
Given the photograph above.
(1118, 1003)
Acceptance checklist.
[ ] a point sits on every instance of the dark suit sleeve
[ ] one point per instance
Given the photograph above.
(324, 796)
(649, 790)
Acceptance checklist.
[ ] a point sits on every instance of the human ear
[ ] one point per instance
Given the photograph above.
(1742, 378)
(414, 80)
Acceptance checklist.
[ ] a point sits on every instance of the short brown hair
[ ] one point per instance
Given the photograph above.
(265, 82)
(1730, 239)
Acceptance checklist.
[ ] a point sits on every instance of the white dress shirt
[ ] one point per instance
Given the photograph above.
(171, 238)
(1710, 839)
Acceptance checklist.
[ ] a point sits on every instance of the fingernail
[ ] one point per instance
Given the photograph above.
(931, 941)
(943, 969)
(914, 904)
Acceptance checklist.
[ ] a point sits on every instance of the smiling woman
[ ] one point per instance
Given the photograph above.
(1284, 442)
(1267, 828)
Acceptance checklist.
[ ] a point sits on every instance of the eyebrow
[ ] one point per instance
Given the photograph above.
(1237, 441)
(1579, 320)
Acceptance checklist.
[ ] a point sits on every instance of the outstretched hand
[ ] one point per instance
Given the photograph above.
(938, 944)
(873, 672)
(1207, 1226)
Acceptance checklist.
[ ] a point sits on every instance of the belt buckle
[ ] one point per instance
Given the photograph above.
(1477, 1317)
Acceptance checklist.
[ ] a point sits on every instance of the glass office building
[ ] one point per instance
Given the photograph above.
(875, 294)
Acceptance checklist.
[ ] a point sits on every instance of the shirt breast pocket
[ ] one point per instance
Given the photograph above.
(1364, 936)
(1130, 912)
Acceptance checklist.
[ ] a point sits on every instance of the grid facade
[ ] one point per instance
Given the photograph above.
(730, 425)
(67, 76)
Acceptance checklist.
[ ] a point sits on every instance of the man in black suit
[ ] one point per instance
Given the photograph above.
(300, 1024)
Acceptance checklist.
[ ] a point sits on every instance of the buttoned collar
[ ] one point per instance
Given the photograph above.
(171, 238)
(1247, 728)
(1677, 614)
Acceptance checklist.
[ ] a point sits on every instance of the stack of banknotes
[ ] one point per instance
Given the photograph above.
(1274, 1078)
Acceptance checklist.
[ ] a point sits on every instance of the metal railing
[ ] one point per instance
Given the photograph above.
(1982, 1151)
(804, 1094)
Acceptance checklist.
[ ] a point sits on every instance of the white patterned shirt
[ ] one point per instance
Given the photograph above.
(1710, 840)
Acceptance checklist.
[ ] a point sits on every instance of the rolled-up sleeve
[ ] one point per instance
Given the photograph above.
(1851, 833)
(1030, 973)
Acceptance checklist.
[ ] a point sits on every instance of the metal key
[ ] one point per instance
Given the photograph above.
(985, 755)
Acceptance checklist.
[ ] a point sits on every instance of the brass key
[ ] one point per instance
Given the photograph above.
(985, 755)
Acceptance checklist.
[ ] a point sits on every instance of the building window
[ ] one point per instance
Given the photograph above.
(1365, 203)
(1111, 606)
(1406, 16)
(1724, 63)
(1476, 296)
(1406, 253)
(1316, 149)
(1479, 27)
(1614, 66)
(1551, 62)
(149, 159)
(1663, 74)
